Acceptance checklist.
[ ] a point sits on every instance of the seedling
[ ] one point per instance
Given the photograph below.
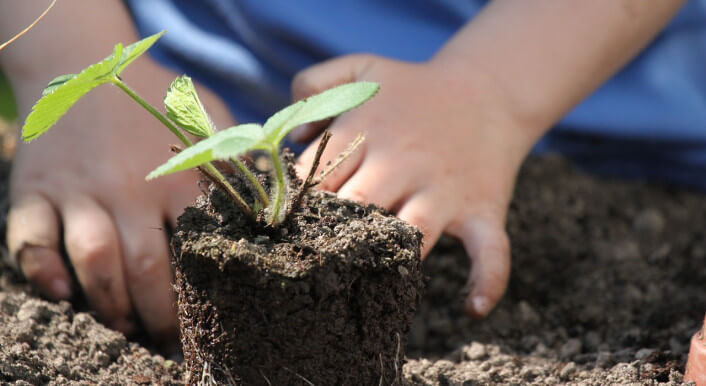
(184, 109)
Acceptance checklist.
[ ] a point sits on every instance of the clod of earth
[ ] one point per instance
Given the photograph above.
(327, 298)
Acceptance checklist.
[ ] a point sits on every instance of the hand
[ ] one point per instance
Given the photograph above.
(440, 152)
(82, 187)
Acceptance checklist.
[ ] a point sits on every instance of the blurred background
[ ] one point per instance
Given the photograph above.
(8, 116)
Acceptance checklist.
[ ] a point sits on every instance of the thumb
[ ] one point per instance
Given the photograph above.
(319, 77)
(488, 246)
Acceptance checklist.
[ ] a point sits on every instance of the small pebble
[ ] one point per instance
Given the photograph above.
(32, 309)
(567, 370)
(476, 351)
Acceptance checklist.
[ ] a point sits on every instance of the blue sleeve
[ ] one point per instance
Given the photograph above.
(649, 120)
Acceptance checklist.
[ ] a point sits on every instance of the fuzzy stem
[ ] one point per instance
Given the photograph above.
(208, 166)
(278, 198)
(253, 180)
(216, 177)
(152, 111)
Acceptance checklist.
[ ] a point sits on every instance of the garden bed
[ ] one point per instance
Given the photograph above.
(606, 288)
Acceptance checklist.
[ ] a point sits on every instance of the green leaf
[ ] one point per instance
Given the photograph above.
(53, 105)
(134, 50)
(185, 108)
(56, 82)
(223, 145)
(8, 105)
(327, 104)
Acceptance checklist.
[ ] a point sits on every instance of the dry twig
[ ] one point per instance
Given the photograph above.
(29, 27)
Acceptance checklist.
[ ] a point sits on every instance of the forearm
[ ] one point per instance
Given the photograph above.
(73, 35)
(547, 55)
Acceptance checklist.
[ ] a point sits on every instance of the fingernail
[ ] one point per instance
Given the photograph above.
(60, 289)
(481, 305)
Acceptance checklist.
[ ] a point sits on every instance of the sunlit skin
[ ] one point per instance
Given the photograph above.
(445, 139)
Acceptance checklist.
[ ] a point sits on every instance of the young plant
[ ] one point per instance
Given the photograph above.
(184, 109)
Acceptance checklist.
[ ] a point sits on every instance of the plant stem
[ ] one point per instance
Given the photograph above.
(209, 166)
(278, 198)
(253, 180)
(309, 181)
(152, 111)
(216, 177)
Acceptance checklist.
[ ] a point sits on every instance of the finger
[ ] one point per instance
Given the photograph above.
(148, 271)
(308, 131)
(92, 244)
(33, 243)
(487, 244)
(319, 77)
(420, 211)
(375, 183)
(336, 145)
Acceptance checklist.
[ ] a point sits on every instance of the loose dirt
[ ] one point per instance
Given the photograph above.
(606, 288)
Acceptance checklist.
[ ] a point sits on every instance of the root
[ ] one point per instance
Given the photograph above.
(300, 377)
(207, 378)
(397, 356)
(266, 379)
(396, 362)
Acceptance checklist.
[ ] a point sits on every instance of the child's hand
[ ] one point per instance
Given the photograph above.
(79, 200)
(445, 138)
(439, 152)
(82, 187)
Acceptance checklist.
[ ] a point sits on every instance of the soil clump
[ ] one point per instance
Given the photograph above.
(327, 298)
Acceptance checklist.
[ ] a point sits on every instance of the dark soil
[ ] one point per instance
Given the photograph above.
(606, 288)
(326, 299)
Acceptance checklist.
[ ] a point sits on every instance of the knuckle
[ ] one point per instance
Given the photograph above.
(143, 268)
(90, 251)
(302, 84)
(363, 57)
(421, 222)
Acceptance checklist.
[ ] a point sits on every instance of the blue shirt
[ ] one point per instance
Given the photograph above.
(648, 121)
